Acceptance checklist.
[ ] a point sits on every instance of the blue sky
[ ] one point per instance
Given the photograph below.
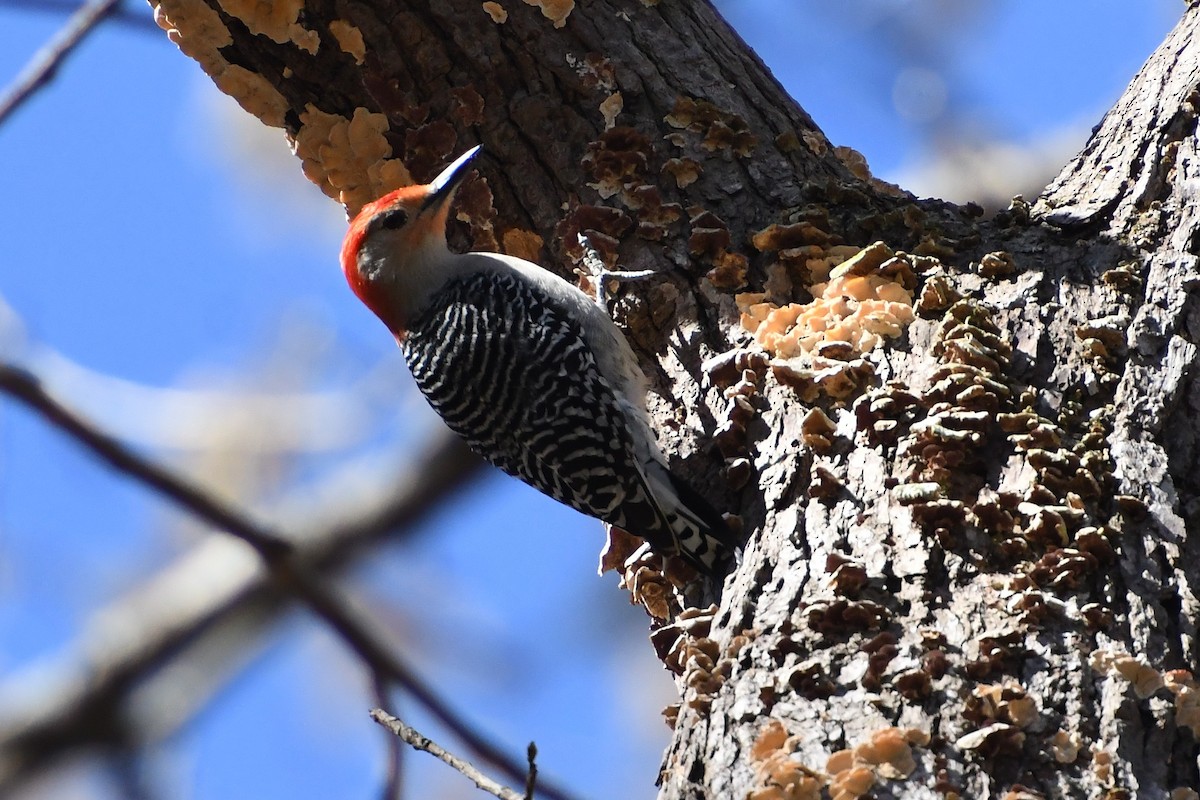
(144, 240)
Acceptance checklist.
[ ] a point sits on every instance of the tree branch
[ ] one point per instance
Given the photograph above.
(215, 597)
(395, 769)
(277, 554)
(137, 20)
(21, 385)
(417, 741)
(45, 62)
(531, 780)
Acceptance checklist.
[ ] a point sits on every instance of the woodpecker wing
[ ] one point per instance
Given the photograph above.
(510, 371)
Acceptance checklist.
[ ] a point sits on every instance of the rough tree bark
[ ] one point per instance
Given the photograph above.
(960, 447)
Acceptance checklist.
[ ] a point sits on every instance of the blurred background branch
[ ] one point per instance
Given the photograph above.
(289, 571)
(46, 61)
(125, 12)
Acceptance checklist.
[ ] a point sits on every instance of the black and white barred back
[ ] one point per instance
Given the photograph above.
(512, 374)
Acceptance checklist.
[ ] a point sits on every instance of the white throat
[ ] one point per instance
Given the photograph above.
(408, 277)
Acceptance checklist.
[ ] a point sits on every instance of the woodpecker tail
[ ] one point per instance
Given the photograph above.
(699, 534)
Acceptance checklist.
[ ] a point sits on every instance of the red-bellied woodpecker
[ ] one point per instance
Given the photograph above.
(525, 367)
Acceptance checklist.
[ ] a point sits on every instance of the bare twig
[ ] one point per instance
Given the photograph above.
(391, 788)
(419, 742)
(531, 780)
(45, 62)
(276, 553)
(598, 274)
(138, 20)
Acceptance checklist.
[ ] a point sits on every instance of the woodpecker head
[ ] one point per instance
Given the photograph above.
(392, 251)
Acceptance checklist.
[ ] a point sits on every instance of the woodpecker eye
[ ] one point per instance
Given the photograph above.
(393, 219)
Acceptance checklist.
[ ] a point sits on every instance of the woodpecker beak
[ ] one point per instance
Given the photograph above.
(441, 188)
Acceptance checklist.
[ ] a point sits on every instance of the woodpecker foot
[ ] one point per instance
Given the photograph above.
(599, 275)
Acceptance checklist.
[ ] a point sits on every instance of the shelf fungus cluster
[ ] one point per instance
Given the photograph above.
(1145, 681)
(703, 666)
(738, 373)
(556, 11)
(941, 431)
(656, 583)
(719, 131)
(1001, 713)
(618, 165)
(200, 33)
(887, 755)
(1047, 517)
(1056, 527)
(861, 297)
(1103, 344)
(348, 156)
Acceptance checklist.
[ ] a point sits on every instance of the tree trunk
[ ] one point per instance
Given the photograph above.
(960, 448)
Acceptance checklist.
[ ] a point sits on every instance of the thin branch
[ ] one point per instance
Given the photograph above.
(45, 62)
(122, 14)
(371, 650)
(531, 780)
(276, 554)
(391, 788)
(419, 742)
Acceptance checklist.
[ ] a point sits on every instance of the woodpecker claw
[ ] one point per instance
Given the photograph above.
(599, 275)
